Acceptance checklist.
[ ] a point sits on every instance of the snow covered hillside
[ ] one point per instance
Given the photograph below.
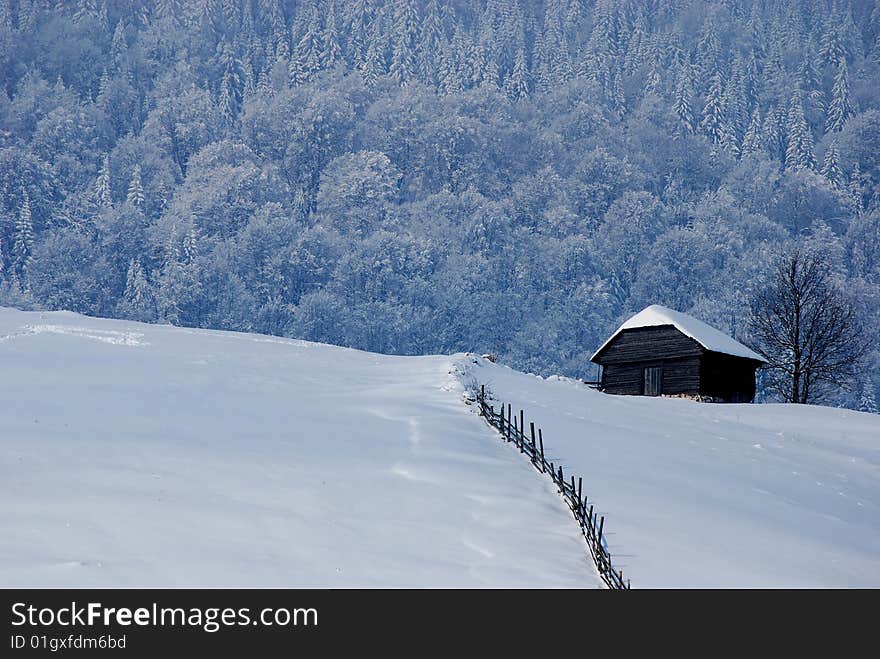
(135, 454)
(715, 495)
(148, 455)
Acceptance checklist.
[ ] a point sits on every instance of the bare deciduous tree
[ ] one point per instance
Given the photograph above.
(806, 328)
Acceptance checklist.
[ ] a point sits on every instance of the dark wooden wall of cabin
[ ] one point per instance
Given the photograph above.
(649, 343)
(729, 378)
(625, 359)
(680, 376)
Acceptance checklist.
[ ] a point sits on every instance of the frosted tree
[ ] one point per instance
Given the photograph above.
(403, 39)
(709, 45)
(490, 72)
(654, 81)
(332, 52)
(226, 100)
(449, 76)
(729, 140)
(753, 139)
(616, 95)
(603, 45)
(84, 9)
(24, 235)
(103, 84)
(119, 50)
(636, 46)
(840, 108)
(712, 123)
(358, 17)
(135, 195)
(249, 77)
(867, 400)
(831, 48)
(831, 166)
(517, 84)
(774, 132)
(102, 184)
(374, 65)
(476, 60)
(168, 9)
(276, 29)
(734, 100)
(808, 76)
(309, 50)
(682, 103)
(138, 302)
(191, 244)
(559, 64)
(430, 43)
(854, 194)
(799, 146)
(232, 83)
(296, 70)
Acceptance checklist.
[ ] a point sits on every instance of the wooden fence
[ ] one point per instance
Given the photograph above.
(531, 445)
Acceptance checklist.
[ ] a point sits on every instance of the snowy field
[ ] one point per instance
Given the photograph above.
(699, 495)
(148, 455)
(155, 456)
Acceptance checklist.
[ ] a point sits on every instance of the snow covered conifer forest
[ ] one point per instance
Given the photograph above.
(431, 176)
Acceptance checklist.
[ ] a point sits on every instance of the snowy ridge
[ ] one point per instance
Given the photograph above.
(707, 336)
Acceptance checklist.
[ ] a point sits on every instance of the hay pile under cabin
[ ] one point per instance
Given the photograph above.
(661, 352)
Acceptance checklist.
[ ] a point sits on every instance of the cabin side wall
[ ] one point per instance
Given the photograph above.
(728, 378)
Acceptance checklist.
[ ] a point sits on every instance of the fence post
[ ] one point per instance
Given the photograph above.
(534, 451)
(561, 479)
(541, 440)
(522, 426)
(580, 491)
(483, 400)
(501, 422)
(601, 524)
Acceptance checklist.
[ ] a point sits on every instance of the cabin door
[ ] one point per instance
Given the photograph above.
(653, 381)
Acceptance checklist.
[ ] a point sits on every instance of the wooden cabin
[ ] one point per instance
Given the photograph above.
(664, 352)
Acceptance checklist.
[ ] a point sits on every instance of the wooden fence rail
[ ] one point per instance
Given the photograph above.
(531, 444)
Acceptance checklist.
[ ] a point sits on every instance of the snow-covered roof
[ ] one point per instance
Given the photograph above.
(708, 337)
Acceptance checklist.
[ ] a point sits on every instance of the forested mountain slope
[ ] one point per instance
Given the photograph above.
(413, 176)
